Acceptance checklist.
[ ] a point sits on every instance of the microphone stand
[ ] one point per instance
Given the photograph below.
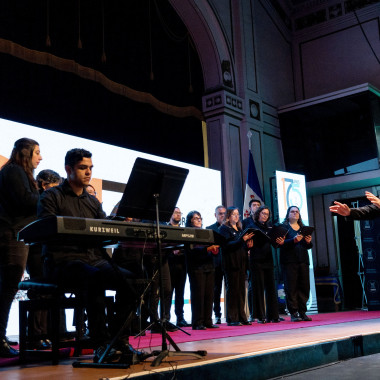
(160, 355)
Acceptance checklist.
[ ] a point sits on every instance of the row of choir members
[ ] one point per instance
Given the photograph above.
(21, 203)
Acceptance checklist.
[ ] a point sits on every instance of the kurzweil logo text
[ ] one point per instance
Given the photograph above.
(105, 230)
(191, 236)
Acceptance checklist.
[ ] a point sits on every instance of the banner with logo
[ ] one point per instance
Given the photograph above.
(370, 237)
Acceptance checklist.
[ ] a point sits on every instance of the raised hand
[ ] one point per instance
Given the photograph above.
(340, 208)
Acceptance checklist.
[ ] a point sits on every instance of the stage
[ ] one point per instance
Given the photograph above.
(247, 352)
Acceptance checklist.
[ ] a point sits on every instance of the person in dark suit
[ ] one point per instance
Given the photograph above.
(220, 214)
(253, 204)
(178, 274)
(87, 268)
(371, 211)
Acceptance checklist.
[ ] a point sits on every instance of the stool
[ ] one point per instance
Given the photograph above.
(54, 300)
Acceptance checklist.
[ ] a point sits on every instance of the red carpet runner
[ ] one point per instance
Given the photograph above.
(224, 331)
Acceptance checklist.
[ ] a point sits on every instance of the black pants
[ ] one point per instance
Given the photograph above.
(201, 294)
(151, 264)
(178, 274)
(94, 279)
(263, 287)
(297, 286)
(218, 283)
(235, 297)
(13, 256)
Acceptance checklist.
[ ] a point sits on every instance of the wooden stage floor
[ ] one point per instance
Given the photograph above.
(219, 350)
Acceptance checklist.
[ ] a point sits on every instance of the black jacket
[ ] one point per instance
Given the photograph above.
(366, 212)
(234, 252)
(62, 201)
(18, 198)
(291, 252)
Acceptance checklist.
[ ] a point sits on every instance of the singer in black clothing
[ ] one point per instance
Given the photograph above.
(200, 266)
(18, 206)
(220, 214)
(86, 268)
(294, 259)
(38, 319)
(235, 264)
(253, 204)
(261, 268)
(178, 274)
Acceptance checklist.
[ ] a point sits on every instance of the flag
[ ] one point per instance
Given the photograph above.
(252, 188)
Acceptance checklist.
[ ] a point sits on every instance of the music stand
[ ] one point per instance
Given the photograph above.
(152, 193)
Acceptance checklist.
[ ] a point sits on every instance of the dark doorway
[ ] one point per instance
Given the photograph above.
(349, 258)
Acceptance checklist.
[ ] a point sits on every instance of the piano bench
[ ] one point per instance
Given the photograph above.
(46, 296)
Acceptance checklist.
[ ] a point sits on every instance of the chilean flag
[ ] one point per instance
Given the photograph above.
(252, 188)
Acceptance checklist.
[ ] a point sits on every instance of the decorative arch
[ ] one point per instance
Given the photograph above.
(209, 40)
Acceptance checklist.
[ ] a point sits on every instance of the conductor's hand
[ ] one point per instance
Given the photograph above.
(280, 240)
(298, 238)
(214, 249)
(372, 198)
(340, 208)
(249, 243)
(308, 239)
(248, 236)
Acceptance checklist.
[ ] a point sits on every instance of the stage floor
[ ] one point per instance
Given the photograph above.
(219, 350)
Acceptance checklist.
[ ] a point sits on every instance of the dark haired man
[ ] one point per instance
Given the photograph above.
(178, 274)
(253, 204)
(83, 267)
(220, 215)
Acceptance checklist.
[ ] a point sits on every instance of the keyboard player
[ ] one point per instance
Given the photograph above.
(83, 267)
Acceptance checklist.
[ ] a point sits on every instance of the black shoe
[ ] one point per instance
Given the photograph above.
(200, 327)
(251, 319)
(276, 320)
(170, 327)
(305, 318)
(211, 326)
(111, 357)
(234, 324)
(246, 323)
(11, 342)
(218, 321)
(155, 328)
(263, 320)
(295, 317)
(183, 323)
(6, 351)
(131, 356)
(39, 345)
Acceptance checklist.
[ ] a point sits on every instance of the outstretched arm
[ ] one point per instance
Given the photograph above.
(340, 208)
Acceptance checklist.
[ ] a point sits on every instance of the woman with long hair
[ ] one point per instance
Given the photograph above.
(294, 260)
(261, 269)
(200, 267)
(18, 207)
(235, 264)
